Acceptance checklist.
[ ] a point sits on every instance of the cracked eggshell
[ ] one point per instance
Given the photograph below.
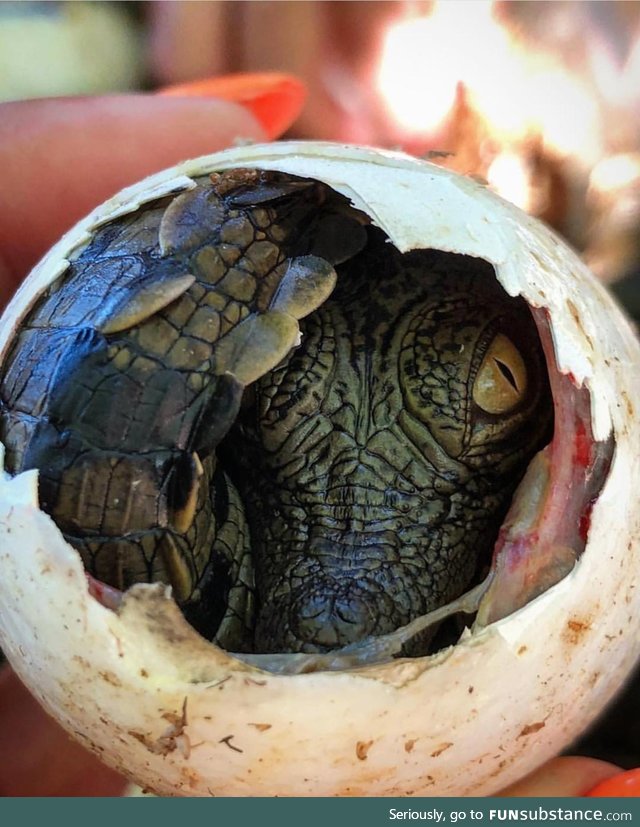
(181, 717)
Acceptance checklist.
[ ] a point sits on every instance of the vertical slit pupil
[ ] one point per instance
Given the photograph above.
(506, 371)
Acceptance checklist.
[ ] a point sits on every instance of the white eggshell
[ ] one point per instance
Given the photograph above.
(181, 717)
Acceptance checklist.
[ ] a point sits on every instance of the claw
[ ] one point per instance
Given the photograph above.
(185, 488)
(176, 567)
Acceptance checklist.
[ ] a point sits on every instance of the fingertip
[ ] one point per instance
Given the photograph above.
(621, 785)
(274, 98)
(564, 776)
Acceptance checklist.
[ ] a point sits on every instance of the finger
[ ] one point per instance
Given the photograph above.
(274, 98)
(623, 785)
(44, 760)
(62, 157)
(567, 776)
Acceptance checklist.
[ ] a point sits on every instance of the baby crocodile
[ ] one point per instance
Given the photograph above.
(296, 495)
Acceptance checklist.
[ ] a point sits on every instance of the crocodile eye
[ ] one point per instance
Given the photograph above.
(501, 382)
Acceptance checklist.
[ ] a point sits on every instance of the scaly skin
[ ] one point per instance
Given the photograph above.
(307, 532)
(373, 484)
(123, 424)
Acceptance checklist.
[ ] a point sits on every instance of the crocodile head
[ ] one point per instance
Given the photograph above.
(375, 464)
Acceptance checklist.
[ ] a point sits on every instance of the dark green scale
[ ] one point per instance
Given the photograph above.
(363, 484)
(374, 482)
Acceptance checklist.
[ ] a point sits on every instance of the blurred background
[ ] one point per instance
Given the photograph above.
(541, 100)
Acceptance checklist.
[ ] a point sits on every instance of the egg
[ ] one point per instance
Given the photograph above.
(552, 632)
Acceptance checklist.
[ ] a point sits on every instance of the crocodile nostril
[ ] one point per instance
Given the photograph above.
(333, 617)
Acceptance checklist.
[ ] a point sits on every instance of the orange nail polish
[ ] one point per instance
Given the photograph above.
(624, 785)
(275, 99)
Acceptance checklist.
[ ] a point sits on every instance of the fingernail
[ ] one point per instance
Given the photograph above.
(275, 99)
(624, 785)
